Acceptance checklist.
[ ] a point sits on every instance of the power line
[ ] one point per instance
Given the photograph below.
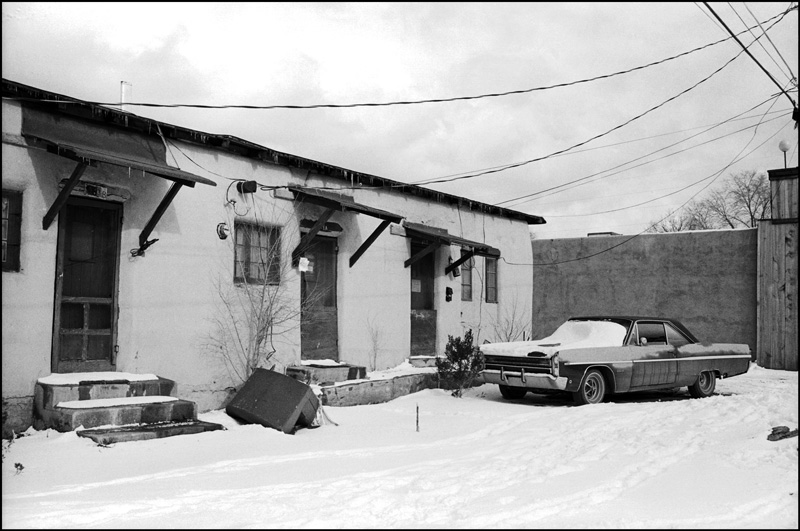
(640, 139)
(537, 159)
(386, 104)
(751, 55)
(585, 180)
(715, 175)
(793, 77)
(768, 54)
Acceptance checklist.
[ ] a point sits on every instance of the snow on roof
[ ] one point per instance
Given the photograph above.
(111, 402)
(75, 378)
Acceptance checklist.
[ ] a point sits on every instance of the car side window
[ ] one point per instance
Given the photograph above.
(675, 337)
(633, 339)
(653, 332)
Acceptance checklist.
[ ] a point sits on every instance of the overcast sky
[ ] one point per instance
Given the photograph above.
(332, 53)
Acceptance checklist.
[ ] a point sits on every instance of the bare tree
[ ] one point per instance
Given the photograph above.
(741, 200)
(375, 341)
(259, 300)
(512, 322)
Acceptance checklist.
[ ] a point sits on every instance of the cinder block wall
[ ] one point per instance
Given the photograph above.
(705, 279)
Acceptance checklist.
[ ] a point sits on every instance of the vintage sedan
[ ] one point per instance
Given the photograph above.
(592, 357)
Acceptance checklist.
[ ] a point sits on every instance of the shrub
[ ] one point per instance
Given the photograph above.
(461, 364)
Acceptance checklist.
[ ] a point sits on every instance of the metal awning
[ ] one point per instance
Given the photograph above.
(334, 202)
(436, 237)
(340, 202)
(89, 141)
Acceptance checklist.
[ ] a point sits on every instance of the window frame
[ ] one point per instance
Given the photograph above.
(12, 230)
(490, 279)
(466, 277)
(242, 265)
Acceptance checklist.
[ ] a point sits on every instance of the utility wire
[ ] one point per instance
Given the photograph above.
(518, 164)
(793, 77)
(604, 146)
(537, 159)
(638, 204)
(585, 180)
(386, 104)
(794, 105)
(715, 176)
(768, 54)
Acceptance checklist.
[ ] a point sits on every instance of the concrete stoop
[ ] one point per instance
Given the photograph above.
(126, 410)
(376, 391)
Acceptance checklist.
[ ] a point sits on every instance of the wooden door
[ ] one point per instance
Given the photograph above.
(85, 316)
(319, 334)
(423, 315)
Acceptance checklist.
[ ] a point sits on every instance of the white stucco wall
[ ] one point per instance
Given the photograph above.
(169, 298)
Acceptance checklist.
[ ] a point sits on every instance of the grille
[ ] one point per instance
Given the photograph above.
(516, 364)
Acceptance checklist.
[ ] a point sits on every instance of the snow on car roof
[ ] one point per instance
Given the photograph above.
(570, 335)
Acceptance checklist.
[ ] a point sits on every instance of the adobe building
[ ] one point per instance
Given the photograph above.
(135, 246)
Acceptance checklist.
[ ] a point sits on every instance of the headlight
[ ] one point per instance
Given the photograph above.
(555, 364)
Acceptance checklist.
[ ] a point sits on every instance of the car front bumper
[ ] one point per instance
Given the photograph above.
(531, 381)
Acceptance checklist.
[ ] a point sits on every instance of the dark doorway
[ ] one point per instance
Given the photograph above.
(423, 316)
(85, 316)
(319, 335)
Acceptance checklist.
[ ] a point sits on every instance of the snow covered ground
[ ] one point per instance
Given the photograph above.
(658, 460)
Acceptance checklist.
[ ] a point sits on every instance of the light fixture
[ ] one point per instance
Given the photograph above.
(784, 146)
(246, 187)
(222, 230)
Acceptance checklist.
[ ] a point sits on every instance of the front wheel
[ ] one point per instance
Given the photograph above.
(704, 386)
(512, 393)
(592, 389)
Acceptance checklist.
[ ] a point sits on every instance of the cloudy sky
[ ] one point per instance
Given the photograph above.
(620, 177)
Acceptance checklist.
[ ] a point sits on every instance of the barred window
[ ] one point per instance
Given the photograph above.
(12, 215)
(466, 278)
(491, 279)
(257, 254)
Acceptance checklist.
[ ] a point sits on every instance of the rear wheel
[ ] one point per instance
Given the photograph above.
(704, 386)
(592, 389)
(512, 393)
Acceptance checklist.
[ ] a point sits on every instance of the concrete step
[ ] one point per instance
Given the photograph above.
(148, 431)
(326, 374)
(69, 415)
(50, 390)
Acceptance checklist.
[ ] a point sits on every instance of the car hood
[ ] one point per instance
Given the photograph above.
(570, 335)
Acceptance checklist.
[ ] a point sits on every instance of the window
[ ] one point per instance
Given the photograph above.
(653, 333)
(257, 254)
(466, 278)
(491, 279)
(12, 215)
(675, 337)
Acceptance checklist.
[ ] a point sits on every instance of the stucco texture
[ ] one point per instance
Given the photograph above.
(705, 279)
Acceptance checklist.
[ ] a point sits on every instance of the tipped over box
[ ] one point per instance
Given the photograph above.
(276, 401)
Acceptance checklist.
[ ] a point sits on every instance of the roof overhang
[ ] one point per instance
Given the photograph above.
(89, 141)
(333, 202)
(340, 202)
(436, 237)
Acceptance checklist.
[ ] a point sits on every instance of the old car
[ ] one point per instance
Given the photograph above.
(592, 357)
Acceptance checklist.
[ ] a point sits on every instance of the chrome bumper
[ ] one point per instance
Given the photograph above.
(530, 381)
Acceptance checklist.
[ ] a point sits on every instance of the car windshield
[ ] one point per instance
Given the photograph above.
(588, 333)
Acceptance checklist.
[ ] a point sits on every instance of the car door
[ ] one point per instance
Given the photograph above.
(655, 363)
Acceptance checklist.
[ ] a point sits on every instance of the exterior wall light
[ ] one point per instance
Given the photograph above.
(246, 187)
(222, 230)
